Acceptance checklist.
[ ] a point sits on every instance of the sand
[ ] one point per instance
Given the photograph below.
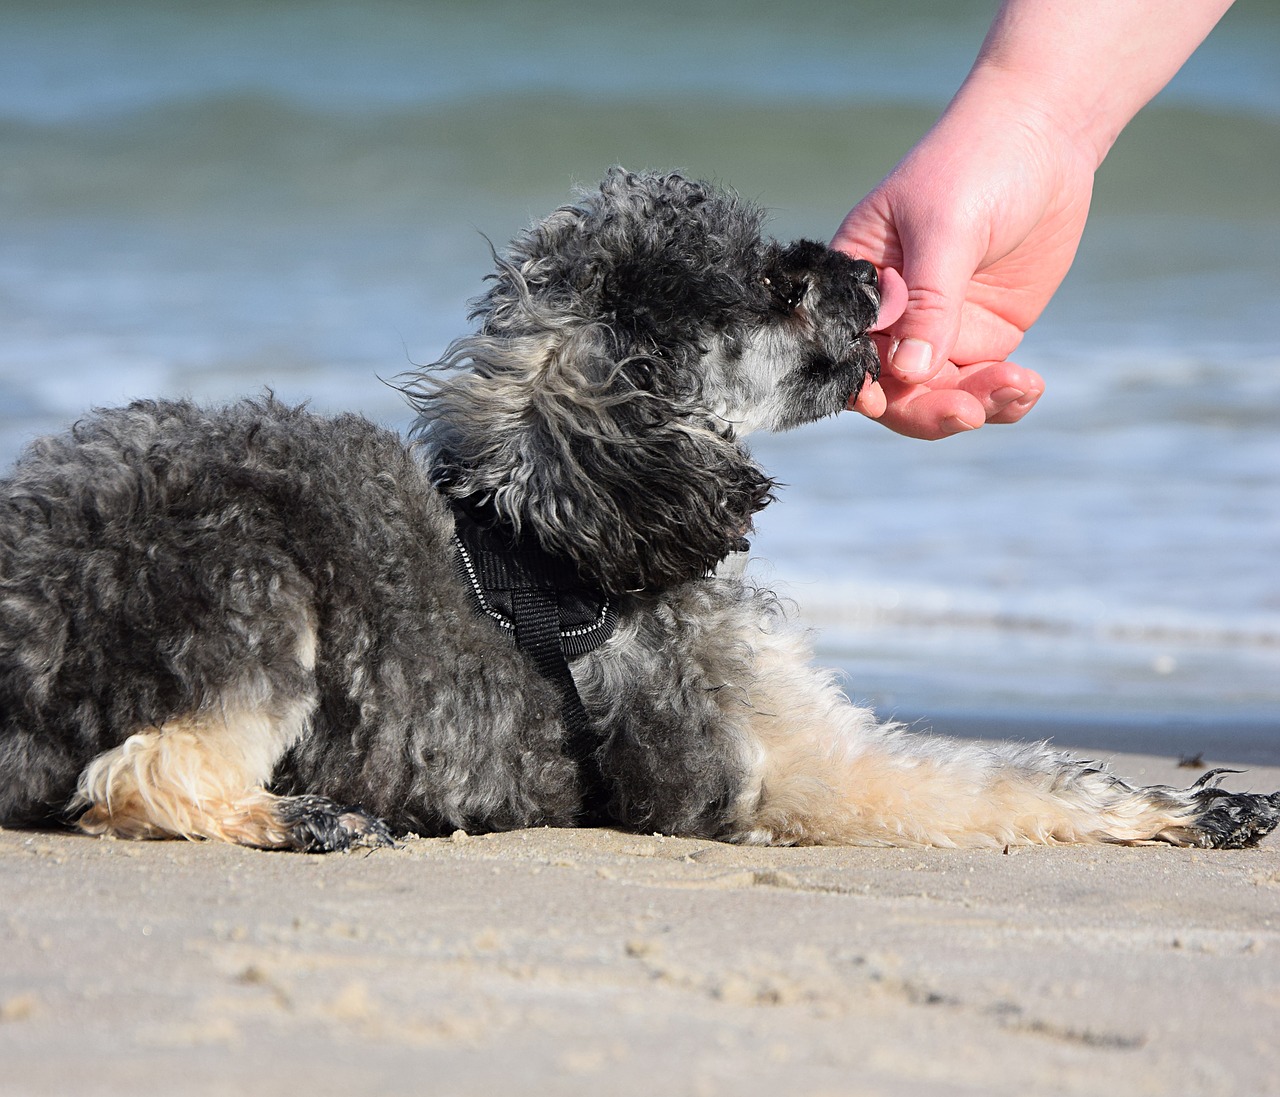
(595, 962)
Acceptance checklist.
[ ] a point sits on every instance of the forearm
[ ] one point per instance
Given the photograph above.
(1089, 65)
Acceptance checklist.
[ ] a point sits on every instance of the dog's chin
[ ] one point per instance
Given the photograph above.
(811, 393)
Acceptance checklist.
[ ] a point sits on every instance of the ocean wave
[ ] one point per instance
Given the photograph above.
(939, 651)
(269, 154)
(1066, 616)
(81, 58)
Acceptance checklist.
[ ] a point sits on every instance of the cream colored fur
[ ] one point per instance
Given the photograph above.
(825, 772)
(198, 776)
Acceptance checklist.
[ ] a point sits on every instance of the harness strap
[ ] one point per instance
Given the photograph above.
(542, 604)
(536, 616)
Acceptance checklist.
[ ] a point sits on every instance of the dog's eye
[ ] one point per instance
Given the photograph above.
(787, 292)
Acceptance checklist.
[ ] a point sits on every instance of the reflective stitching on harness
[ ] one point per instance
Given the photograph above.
(476, 589)
(503, 620)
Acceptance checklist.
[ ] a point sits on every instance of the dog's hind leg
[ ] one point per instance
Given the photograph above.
(202, 776)
(827, 772)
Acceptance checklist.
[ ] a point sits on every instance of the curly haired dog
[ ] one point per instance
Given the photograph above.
(231, 623)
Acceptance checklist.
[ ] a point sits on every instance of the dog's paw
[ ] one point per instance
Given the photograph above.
(315, 824)
(1228, 820)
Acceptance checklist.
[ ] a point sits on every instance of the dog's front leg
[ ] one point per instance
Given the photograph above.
(827, 772)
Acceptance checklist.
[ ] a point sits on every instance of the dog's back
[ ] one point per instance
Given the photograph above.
(165, 566)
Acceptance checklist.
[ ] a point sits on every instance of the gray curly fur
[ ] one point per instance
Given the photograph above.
(167, 566)
(613, 346)
(162, 556)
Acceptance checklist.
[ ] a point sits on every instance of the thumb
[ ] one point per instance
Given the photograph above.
(936, 275)
(925, 335)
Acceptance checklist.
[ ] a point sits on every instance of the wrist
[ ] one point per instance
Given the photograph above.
(1040, 110)
(1088, 67)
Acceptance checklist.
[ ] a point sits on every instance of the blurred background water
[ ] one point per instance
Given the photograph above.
(207, 199)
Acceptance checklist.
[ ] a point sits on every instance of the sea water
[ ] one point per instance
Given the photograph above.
(213, 199)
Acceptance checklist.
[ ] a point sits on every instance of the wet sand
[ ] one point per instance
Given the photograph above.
(595, 962)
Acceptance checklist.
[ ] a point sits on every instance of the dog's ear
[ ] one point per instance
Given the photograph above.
(597, 458)
(579, 414)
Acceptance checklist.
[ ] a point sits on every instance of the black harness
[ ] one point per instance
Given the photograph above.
(542, 603)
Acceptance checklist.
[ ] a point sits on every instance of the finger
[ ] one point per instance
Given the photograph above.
(870, 400)
(936, 267)
(937, 273)
(893, 299)
(1007, 391)
(1015, 410)
(919, 412)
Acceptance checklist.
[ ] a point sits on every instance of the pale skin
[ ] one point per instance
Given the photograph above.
(975, 229)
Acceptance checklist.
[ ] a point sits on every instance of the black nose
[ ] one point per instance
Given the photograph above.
(865, 272)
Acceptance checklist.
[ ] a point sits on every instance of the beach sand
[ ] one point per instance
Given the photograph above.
(595, 962)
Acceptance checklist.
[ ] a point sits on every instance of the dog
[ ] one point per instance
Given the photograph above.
(262, 626)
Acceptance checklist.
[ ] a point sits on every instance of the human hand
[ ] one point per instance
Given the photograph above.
(1004, 391)
(982, 219)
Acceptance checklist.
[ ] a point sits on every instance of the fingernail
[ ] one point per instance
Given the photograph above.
(953, 424)
(912, 356)
(1007, 395)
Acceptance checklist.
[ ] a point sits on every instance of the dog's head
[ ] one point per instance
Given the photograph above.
(626, 346)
